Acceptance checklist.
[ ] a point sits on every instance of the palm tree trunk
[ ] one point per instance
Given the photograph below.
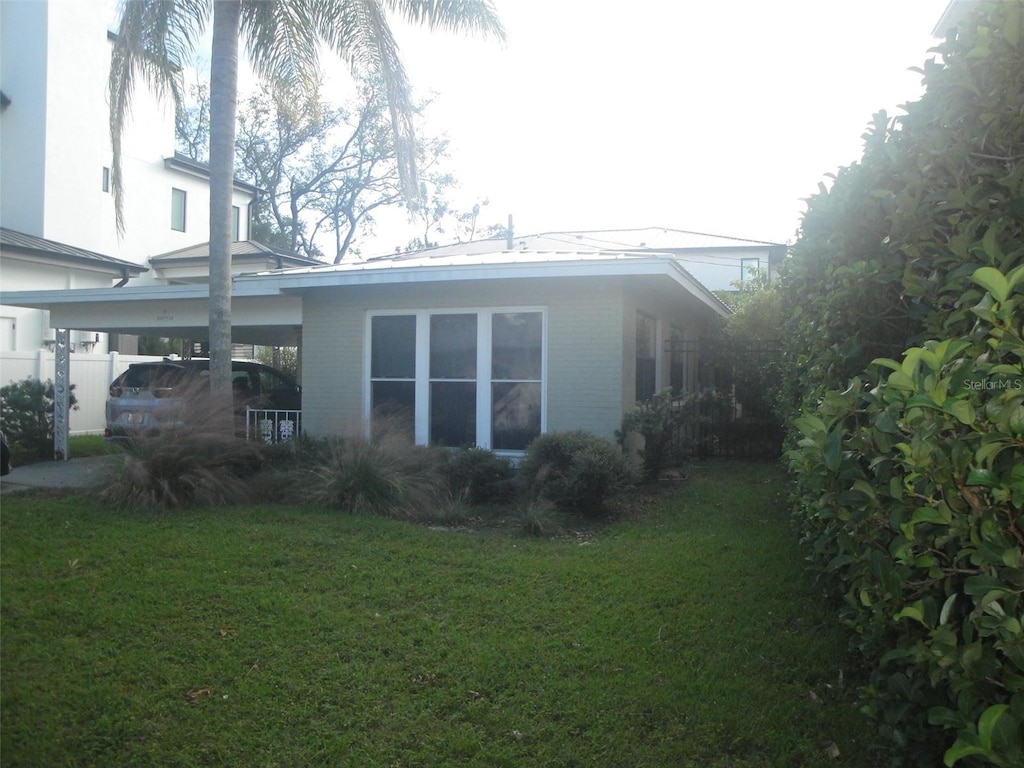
(223, 107)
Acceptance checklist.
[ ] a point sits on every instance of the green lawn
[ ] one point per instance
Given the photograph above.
(683, 635)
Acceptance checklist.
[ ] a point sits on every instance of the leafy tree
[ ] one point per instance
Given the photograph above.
(758, 311)
(331, 169)
(282, 358)
(283, 37)
(159, 345)
(438, 217)
(327, 169)
(192, 123)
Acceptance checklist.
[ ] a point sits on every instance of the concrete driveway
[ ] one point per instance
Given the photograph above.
(75, 473)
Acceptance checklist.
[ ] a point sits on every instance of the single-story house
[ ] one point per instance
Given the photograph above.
(487, 349)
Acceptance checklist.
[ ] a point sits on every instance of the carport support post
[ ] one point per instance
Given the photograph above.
(61, 394)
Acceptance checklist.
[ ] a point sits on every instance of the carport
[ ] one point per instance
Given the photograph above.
(260, 314)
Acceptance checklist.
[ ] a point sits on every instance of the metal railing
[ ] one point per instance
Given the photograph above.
(272, 426)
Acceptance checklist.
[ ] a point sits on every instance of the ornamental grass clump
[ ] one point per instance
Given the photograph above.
(175, 470)
(389, 477)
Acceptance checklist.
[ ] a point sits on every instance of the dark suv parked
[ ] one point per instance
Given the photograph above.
(152, 396)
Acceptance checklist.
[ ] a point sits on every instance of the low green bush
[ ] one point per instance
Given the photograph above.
(26, 417)
(910, 495)
(670, 426)
(576, 470)
(479, 476)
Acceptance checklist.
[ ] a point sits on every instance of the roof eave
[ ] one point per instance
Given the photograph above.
(194, 168)
(99, 265)
(397, 275)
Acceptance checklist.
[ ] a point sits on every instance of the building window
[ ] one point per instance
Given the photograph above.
(682, 362)
(646, 356)
(516, 363)
(749, 269)
(178, 198)
(236, 223)
(453, 353)
(106, 179)
(393, 370)
(460, 378)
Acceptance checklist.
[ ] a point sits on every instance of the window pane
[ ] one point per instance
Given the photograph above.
(516, 345)
(236, 217)
(393, 347)
(749, 269)
(395, 401)
(645, 336)
(645, 370)
(178, 210)
(515, 415)
(453, 413)
(453, 346)
(646, 351)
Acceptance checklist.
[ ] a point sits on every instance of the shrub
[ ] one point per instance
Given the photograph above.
(389, 477)
(26, 412)
(574, 469)
(181, 470)
(671, 427)
(909, 492)
(911, 495)
(479, 476)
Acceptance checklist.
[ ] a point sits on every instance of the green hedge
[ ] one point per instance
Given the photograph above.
(911, 494)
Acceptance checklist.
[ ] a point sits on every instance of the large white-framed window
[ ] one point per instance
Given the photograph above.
(459, 377)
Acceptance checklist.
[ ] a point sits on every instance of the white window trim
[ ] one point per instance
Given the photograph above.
(483, 366)
(184, 209)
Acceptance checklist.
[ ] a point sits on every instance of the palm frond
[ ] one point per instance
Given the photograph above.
(154, 39)
(358, 32)
(281, 41)
(472, 16)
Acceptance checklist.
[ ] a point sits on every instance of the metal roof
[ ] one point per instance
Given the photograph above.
(492, 265)
(267, 306)
(647, 239)
(40, 246)
(433, 258)
(201, 251)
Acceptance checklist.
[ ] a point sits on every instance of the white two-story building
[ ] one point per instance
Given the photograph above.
(56, 206)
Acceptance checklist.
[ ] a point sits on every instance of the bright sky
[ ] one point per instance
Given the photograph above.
(706, 115)
(716, 117)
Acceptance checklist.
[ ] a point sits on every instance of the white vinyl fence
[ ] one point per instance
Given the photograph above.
(90, 374)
